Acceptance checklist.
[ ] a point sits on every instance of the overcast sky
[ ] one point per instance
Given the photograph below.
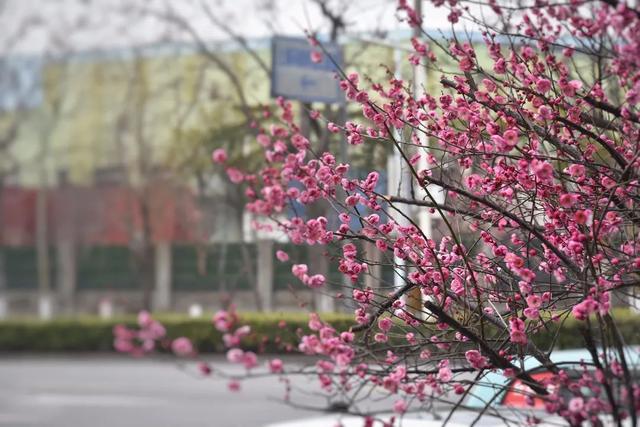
(37, 25)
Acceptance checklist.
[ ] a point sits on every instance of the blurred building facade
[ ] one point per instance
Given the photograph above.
(110, 179)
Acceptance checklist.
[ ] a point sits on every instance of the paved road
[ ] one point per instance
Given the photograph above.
(97, 391)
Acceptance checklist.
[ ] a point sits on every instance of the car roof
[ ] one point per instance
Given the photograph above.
(355, 421)
(492, 386)
(460, 418)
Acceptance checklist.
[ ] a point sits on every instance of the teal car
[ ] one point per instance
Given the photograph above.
(495, 389)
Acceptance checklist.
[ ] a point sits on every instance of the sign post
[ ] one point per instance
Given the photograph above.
(295, 76)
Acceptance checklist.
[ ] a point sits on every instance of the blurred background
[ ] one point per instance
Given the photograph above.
(109, 111)
(110, 204)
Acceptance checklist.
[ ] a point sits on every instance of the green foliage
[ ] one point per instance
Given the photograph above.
(94, 334)
(268, 334)
(569, 334)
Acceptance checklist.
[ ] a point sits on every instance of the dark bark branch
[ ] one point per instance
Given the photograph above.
(611, 150)
(616, 111)
(534, 230)
(496, 360)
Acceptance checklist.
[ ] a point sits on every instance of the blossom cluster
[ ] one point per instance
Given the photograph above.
(538, 164)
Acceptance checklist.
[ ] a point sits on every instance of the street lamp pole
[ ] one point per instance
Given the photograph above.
(422, 216)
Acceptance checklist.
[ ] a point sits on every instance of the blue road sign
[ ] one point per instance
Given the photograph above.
(295, 76)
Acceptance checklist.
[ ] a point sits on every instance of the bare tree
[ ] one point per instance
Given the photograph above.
(333, 20)
(23, 103)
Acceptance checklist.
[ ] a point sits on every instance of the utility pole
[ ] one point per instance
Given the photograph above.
(45, 301)
(424, 217)
(401, 179)
(318, 262)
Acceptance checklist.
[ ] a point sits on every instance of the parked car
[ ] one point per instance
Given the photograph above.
(504, 398)
(498, 390)
(463, 418)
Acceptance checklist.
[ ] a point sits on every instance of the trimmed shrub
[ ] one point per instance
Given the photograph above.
(93, 334)
(271, 332)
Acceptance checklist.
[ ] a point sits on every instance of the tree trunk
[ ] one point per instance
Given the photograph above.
(4, 303)
(144, 256)
(42, 253)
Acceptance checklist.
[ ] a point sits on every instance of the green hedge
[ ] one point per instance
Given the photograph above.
(569, 334)
(93, 334)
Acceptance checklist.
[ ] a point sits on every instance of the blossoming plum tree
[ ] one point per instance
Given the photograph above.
(533, 140)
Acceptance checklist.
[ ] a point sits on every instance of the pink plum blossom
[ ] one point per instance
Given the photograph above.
(219, 155)
(182, 346)
(282, 256)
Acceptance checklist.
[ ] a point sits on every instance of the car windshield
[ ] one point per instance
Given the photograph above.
(518, 394)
